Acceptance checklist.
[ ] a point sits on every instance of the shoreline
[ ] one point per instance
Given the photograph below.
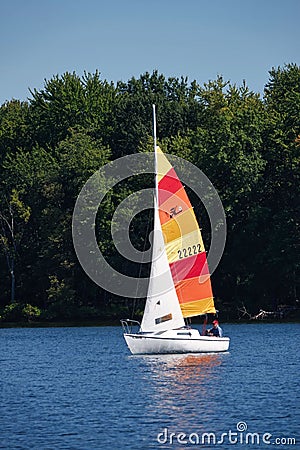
(80, 324)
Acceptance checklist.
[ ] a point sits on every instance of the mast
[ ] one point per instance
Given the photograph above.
(155, 153)
(162, 309)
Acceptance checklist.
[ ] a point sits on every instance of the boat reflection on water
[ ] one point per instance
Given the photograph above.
(183, 384)
(188, 369)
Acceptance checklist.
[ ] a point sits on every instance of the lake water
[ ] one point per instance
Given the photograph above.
(79, 388)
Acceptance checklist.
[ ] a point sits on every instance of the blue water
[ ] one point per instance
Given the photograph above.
(79, 388)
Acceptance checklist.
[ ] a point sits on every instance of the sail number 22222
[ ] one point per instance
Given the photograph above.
(189, 251)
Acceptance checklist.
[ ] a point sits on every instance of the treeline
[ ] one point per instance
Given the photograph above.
(51, 144)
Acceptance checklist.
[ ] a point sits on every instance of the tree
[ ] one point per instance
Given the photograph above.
(248, 146)
(14, 133)
(177, 107)
(78, 157)
(69, 101)
(227, 147)
(13, 220)
(280, 192)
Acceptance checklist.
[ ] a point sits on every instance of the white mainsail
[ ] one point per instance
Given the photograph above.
(162, 310)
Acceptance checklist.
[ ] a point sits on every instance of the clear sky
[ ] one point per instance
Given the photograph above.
(239, 39)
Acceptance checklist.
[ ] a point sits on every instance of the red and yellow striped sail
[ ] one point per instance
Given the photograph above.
(183, 242)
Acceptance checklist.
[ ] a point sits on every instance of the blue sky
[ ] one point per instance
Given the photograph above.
(239, 39)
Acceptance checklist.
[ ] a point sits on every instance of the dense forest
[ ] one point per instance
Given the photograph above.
(248, 145)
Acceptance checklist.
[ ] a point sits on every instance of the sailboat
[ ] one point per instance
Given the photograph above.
(180, 285)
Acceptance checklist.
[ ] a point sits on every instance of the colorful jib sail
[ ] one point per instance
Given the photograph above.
(183, 242)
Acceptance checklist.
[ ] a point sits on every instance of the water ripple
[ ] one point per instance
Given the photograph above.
(78, 388)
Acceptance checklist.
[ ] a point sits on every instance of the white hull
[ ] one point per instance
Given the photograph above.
(175, 341)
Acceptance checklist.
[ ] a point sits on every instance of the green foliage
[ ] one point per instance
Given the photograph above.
(13, 313)
(14, 116)
(61, 299)
(176, 102)
(68, 101)
(14, 216)
(49, 147)
(31, 312)
(59, 291)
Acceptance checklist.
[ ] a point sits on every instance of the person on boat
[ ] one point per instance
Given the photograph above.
(216, 330)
